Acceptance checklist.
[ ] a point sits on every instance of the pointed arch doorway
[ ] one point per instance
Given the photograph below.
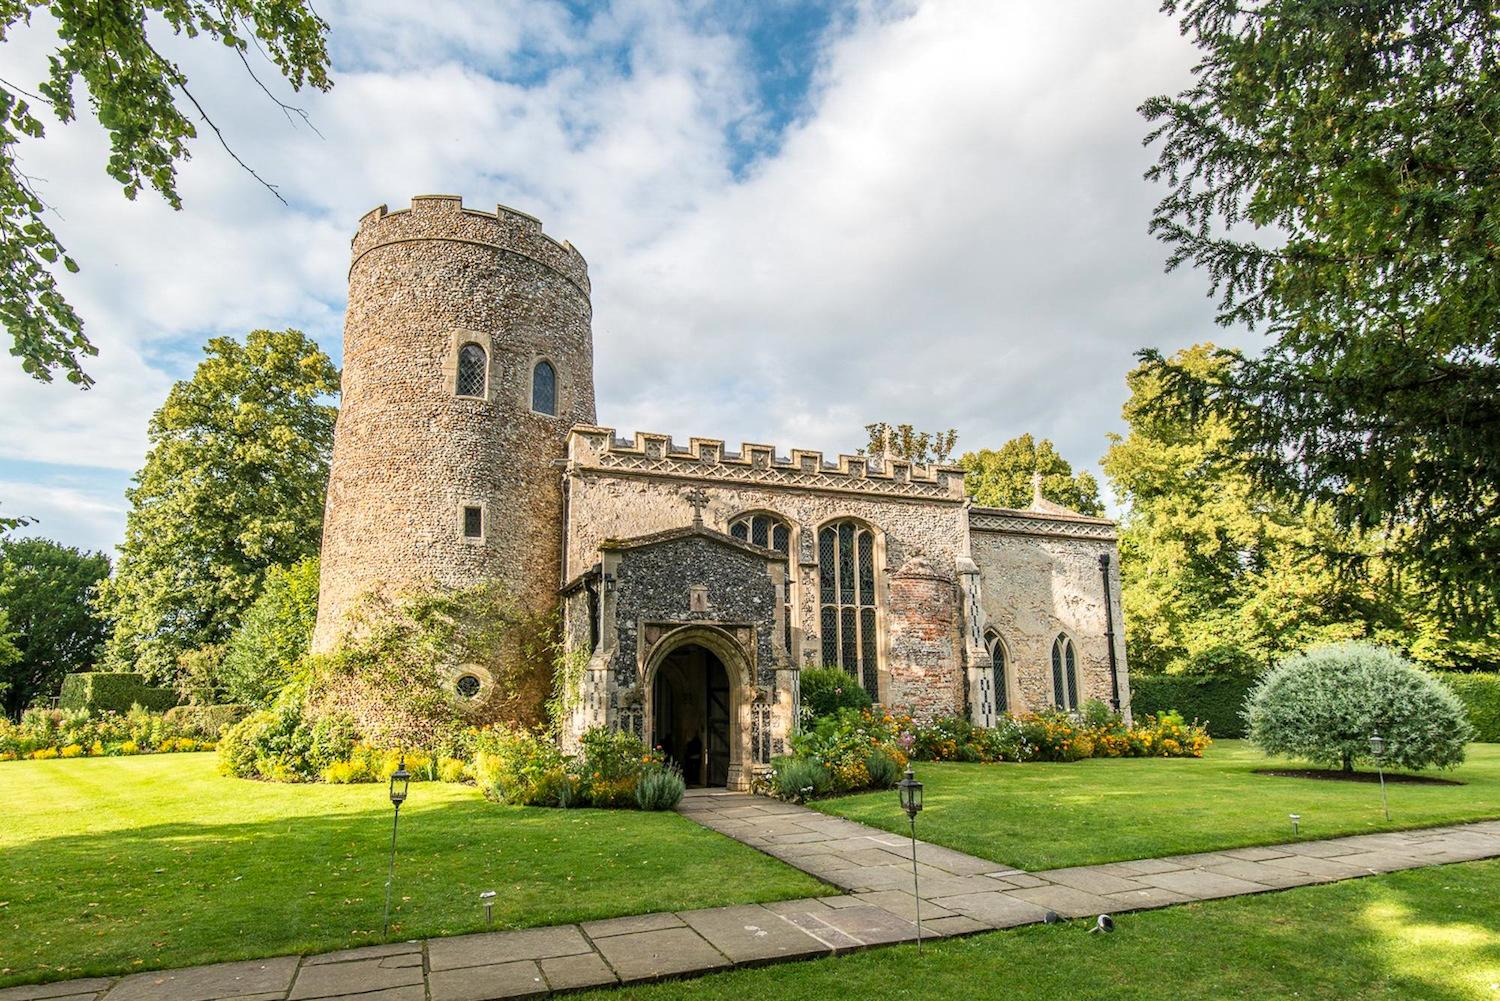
(692, 717)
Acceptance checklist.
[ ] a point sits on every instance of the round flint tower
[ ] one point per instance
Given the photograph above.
(467, 357)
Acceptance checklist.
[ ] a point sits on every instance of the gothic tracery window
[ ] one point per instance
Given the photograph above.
(544, 388)
(773, 533)
(1064, 673)
(471, 370)
(846, 600)
(996, 647)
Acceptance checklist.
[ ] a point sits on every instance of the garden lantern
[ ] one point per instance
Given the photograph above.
(911, 795)
(400, 779)
(911, 802)
(488, 899)
(1377, 748)
(1296, 820)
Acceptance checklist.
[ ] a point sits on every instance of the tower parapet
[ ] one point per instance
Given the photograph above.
(468, 354)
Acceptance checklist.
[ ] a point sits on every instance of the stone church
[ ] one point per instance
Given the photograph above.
(699, 578)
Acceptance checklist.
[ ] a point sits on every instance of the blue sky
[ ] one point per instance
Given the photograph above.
(800, 217)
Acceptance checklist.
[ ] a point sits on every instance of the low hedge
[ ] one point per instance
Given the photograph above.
(1480, 693)
(108, 691)
(1216, 701)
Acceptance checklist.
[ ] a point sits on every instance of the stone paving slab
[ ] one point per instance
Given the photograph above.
(750, 934)
(652, 955)
(960, 895)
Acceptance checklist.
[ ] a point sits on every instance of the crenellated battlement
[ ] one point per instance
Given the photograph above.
(706, 458)
(444, 217)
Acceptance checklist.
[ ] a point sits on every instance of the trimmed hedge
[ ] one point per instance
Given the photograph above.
(1216, 701)
(1480, 693)
(107, 691)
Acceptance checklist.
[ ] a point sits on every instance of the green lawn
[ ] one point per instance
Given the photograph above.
(114, 864)
(1042, 816)
(1423, 934)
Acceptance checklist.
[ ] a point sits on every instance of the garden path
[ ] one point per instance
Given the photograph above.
(960, 894)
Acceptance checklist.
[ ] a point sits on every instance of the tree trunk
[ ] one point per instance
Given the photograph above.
(1348, 763)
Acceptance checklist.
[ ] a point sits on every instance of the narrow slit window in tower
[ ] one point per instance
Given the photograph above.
(544, 388)
(471, 370)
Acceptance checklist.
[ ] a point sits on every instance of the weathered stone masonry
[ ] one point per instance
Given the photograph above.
(652, 543)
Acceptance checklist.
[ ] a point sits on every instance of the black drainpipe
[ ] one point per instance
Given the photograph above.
(1109, 635)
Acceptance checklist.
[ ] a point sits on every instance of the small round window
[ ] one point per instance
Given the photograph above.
(468, 686)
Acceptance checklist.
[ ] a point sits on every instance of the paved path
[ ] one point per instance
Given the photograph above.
(960, 894)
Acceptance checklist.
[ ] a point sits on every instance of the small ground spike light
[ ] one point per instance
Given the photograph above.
(911, 802)
(400, 780)
(488, 899)
(1105, 924)
(1296, 819)
(1377, 748)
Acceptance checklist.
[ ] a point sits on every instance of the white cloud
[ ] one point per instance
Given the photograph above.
(77, 516)
(953, 233)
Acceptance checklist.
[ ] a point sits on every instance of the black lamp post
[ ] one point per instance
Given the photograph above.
(911, 802)
(1109, 635)
(1377, 748)
(400, 779)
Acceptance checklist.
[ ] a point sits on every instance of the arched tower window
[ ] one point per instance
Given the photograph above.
(996, 647)
(472, 370)
(544, 388)
(773, 533)
(846, 600)
(1064, 673)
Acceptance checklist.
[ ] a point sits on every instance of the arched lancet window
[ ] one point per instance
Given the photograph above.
(993, 644)
(846, 600)
(1064, 673)
(472, 370)
(773, 533)
(544, 388)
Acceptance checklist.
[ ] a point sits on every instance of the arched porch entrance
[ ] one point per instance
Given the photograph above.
(697, 688)
(690, 710)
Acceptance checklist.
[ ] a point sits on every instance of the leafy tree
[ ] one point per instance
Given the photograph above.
(1334, 170)
(142, 100)
(46, 589)
(1219, 576)
(233, 484)
(1325, 704)
(902, 441)
(1002, 477)
(9, 654)
(274, 634)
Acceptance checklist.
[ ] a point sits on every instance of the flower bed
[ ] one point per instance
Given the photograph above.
(850, 751)
(515, 766)
(81, 733)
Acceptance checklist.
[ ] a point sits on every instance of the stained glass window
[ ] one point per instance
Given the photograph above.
(997, 661)
(1064, 673)
(771, 532)
(471, 370)
(544, 388)
(846, 596)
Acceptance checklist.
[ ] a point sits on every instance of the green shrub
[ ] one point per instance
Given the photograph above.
(1480, 693)
(660, 788)
(610, 762)
(106, 691)
(199, 680)
(1324, 704)
(205, 722)
(883, 769)
(521, 767)
(333, 739)
(826, 690)
(796, 778)
(274, 634)
(1216, 701)
(240, 744)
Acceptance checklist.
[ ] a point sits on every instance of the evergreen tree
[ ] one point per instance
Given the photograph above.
(1334, 171)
